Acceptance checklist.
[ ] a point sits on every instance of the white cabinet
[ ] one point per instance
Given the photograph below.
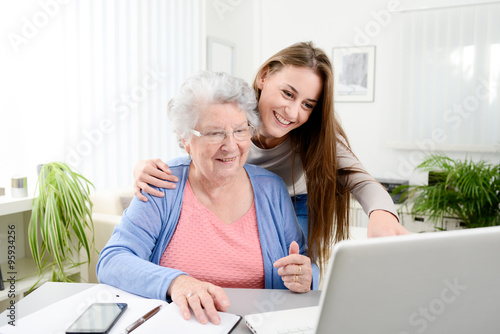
(15, 255)
(414, 224)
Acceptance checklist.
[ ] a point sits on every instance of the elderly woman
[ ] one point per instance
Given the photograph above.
(227, 224)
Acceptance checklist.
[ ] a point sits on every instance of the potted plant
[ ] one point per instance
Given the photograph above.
(466, 190)
(61, 222)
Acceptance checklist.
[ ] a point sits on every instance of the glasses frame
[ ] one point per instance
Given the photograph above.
(226, 133)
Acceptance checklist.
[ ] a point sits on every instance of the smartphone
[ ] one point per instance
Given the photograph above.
(98, 318)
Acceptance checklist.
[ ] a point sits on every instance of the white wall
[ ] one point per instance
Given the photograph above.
(357, 22)
(235, 21)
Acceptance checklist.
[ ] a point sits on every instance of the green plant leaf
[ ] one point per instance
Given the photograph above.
(61, 223)
(464, 189)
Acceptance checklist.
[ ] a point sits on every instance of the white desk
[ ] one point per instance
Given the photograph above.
(243, 301)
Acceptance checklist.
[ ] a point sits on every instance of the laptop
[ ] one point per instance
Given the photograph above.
(437, 282)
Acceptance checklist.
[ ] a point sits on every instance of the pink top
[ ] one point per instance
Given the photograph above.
(203, 246)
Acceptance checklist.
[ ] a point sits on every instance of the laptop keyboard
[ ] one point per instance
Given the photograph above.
(301, 330)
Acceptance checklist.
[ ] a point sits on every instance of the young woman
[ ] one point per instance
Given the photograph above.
(301, 140)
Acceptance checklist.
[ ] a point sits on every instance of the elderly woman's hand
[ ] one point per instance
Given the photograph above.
(188, 292)
(295, 270)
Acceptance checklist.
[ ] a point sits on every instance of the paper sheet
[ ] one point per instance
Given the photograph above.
(56, 318)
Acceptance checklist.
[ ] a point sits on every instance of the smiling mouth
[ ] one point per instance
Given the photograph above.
(280, 119)
(227, 159)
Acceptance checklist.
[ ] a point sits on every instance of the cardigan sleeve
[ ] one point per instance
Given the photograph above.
(125, 260)
(293, 232)
(367, 191)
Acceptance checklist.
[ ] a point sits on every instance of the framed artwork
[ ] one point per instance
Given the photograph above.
(354, 73)
(220, 55)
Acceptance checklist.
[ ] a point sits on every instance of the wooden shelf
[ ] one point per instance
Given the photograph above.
(25, 267)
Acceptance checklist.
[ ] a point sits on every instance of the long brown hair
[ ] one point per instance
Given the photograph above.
(315, 142)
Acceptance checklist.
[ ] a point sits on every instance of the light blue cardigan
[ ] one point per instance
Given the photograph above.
(131, 257)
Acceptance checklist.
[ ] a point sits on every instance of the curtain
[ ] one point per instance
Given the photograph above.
(450, 60)
(124, 60)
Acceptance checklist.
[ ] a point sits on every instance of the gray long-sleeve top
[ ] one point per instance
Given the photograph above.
(368, 192)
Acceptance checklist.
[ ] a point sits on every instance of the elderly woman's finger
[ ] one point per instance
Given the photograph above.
(195, 304)
(292, 278)
(203, 298)
(293, 264)
(298, 283)
(221, 300)
(292, 269)
(291, 259)
(207, 302)
(181, 302)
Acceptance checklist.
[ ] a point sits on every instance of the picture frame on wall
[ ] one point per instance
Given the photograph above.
(354, 73)
(220, 55)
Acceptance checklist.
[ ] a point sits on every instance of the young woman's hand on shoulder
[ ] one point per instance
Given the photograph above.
(152, 172)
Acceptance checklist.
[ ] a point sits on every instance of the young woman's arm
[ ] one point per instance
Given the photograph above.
(373, 197)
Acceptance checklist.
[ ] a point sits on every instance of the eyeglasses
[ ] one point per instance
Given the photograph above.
(218, 136)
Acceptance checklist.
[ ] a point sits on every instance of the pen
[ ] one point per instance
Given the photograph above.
(143, 319)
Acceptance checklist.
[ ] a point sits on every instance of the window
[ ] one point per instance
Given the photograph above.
(125, 59)
(450, 79)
